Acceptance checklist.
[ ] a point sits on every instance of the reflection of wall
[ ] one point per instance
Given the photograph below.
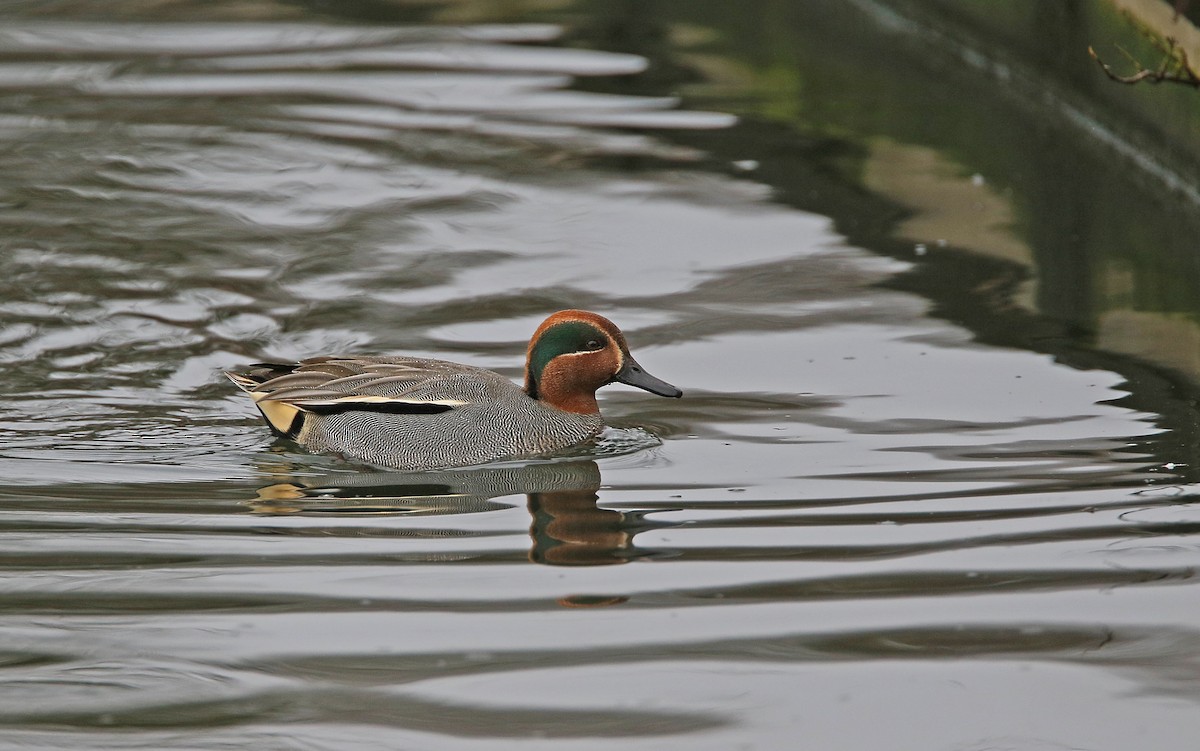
(1053, 37)
(1173, 341)
(950, 207)
(1084, 179)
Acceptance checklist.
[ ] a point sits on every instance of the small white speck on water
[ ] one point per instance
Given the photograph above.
(920, 249)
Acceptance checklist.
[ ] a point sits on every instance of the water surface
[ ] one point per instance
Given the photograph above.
(917, 495)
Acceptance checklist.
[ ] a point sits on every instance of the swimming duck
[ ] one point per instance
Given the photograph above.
(417, 413)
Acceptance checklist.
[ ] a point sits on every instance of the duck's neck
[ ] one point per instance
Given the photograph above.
(578, 403)
(562, 395)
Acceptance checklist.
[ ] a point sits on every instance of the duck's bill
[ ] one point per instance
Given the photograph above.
(633, 375)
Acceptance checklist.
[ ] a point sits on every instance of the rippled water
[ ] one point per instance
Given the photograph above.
(864, 526)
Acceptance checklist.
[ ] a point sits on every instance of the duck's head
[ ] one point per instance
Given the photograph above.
(575, 352)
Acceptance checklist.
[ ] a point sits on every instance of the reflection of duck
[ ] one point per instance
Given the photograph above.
(413, 413)
(568, 529)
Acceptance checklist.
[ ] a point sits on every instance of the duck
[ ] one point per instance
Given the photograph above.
(414, 413)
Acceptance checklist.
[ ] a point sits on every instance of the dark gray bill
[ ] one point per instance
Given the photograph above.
(632, 374)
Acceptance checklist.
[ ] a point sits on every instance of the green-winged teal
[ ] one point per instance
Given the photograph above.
(414, 413)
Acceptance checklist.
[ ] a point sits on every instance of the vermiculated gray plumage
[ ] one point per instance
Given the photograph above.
(495, 420)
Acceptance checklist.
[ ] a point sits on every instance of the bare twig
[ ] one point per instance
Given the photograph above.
(1173, 68)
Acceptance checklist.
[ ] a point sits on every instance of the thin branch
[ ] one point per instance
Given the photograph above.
(1173, 68)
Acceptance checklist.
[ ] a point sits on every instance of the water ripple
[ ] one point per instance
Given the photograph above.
(857, 501)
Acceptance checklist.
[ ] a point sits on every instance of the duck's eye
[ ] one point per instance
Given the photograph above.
(594, 344)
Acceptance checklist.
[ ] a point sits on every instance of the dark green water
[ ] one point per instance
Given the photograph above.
(930, 291)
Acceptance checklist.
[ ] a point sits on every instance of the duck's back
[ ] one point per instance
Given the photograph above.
(413, 413)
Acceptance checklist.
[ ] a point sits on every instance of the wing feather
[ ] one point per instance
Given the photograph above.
(329, 385)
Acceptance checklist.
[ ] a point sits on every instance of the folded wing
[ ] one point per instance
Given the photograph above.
(286, 392)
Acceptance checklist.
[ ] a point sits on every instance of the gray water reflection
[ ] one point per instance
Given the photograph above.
(863, 527)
